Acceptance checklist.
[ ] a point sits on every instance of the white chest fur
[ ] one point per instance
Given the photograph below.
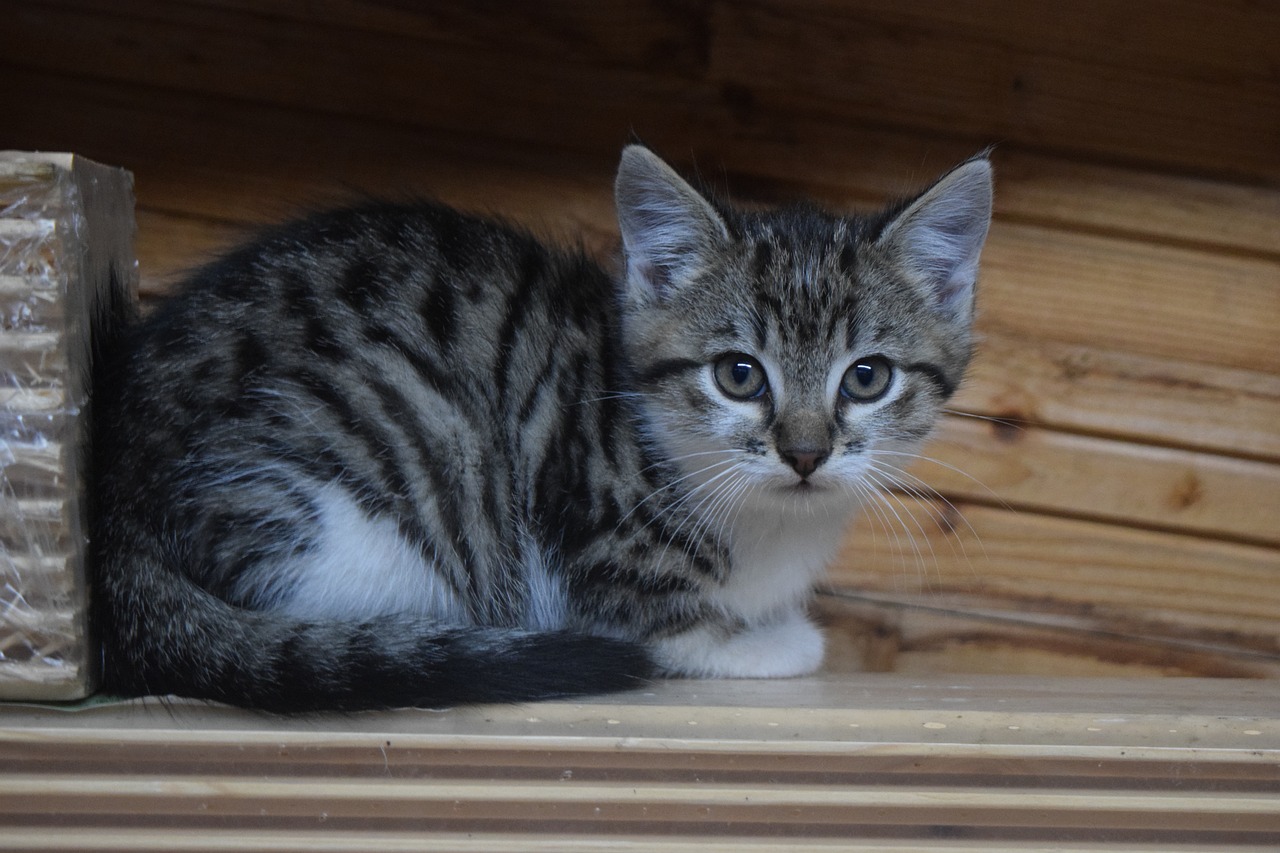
(778, 556)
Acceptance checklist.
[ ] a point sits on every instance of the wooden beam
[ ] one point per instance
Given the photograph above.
(1196, 93)
(1126, 582)
(1101, 478)
(1092, 79)
(1013, 764)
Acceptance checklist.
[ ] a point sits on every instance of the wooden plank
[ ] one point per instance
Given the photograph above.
(560, 808)
(636, 34)
(1106, 88)
(1136, 203)
(1229, 39)
(1089, 476)
(1114, 579)
(963, 730)
(491, 91)
(171, 246)
(1166, 301)
(251, 168)
(141, 840)
(1015, 764)
(941, 635)
(1008, 74)
(1106, 391)
(850, 165)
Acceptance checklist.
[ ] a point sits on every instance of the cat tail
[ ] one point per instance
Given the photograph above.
(179, 639)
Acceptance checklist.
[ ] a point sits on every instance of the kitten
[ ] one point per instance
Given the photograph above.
(397, 455)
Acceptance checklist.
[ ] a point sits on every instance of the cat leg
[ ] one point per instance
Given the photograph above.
(786, 646)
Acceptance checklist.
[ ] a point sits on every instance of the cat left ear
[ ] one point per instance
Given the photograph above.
(939, 236)
(667, 226)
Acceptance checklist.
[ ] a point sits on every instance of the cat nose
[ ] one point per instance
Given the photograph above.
(805, 462)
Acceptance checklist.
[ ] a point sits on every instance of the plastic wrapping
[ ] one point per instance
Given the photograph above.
(66, 236)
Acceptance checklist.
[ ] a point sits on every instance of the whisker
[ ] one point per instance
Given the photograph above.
(731, 501)
(923, 491)
(611, 395)
(882, 496)
(863, 495)
(699, 519)
(743, 493)
(692, 493)
(949, 467)
(880, 505)
(1012, 423)
(676, 482)
(931, 497)
(682, 457)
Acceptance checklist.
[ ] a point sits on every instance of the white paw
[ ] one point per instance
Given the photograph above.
(782, 648)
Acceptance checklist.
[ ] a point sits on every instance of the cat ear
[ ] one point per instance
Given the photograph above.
(939, 236)
(666, 225)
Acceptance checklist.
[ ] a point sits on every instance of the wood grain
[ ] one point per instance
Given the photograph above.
(311, 841)
(252, 168)
(1035, 381)
(907, 634)
(1088, 476)
(1195, 92)
(962, 556)
(1006, 762)
(645, 34)
(443, 85)
(1165, 301)
(854, 165)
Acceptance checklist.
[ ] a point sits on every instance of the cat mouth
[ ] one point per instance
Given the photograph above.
(803, 486)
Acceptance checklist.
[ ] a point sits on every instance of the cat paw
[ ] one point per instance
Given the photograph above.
(783, 648)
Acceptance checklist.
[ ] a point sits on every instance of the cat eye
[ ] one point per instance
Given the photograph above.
(740, 376)
(867, 379)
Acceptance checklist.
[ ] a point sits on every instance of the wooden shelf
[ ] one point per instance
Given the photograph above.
(876, 762)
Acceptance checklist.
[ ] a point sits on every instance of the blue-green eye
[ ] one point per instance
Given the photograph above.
(740, 376)
(868, 379)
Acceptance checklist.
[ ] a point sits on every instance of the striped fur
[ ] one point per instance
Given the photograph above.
(396, 455)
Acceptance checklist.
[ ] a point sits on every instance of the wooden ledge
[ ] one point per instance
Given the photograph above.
(888, 762)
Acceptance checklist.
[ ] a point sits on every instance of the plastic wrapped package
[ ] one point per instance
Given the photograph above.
(66, 239)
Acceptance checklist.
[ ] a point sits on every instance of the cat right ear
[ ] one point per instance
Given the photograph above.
(938, 237)
(666, 224)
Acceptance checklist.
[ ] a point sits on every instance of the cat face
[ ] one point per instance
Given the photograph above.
(778, 353)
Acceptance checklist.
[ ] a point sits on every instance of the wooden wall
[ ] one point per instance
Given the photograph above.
(1115, 508)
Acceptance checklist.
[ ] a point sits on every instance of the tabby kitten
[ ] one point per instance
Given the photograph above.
(397, 455)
